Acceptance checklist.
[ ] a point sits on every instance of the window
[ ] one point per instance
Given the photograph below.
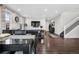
(7, 19)
(35, 23)
(7, 16)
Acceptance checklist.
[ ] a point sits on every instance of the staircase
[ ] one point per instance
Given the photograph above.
(70, 26)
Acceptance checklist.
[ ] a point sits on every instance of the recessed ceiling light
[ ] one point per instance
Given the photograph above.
(45, 9)
(56, 11)
(18, 9)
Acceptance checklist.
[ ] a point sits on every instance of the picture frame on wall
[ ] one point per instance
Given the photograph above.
(16, 19)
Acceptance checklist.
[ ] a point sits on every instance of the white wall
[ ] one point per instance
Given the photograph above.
(58, 25)
(14, 25)
(29, 27)
(63, 20)
(21, 21)
(69, 16)
(47, 24)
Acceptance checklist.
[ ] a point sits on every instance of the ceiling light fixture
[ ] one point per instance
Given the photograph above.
(45, 10)
(18, 9)
(56, 11)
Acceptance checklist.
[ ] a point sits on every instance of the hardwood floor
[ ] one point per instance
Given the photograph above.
(71, 45)
(57, 45)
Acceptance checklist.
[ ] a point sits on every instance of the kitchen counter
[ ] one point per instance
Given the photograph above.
(19, 39)
(25, 43)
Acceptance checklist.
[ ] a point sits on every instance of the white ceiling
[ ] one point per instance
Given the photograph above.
(41, 10)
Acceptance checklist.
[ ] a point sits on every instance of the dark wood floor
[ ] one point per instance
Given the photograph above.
(57, 45)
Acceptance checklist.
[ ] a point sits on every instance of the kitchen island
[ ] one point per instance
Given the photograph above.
(25, 43)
